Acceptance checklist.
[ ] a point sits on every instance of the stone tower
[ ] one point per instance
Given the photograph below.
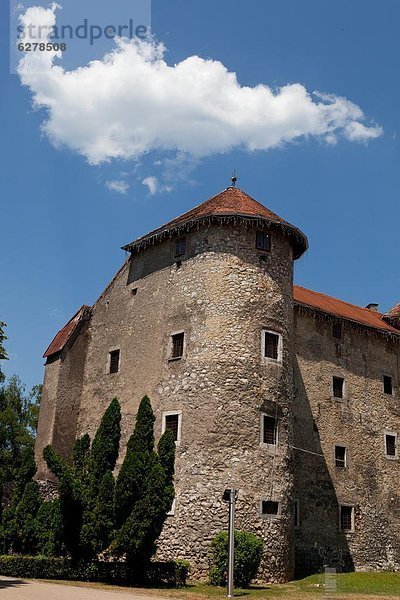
(200, 318)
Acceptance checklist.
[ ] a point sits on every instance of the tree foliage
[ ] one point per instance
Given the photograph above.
(247, 558)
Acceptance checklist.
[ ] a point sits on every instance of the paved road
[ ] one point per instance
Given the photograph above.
(16, 589)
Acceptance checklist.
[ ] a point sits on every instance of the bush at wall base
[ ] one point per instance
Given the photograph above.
(248, 554)
(171, 574)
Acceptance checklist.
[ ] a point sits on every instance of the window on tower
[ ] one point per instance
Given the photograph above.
(172, 421)
(114, 361)
(338, 387)
(269, 430)
(180, 247)
(346, 518)
(177, 345)
(263, 241)
(271, 346)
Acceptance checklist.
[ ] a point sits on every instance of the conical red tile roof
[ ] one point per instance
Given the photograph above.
(231, 202)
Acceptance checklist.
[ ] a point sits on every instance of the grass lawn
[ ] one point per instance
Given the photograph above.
(349, 586)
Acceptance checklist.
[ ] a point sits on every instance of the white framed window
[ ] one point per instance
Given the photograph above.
(340, 456)
(346, 518)
(338, 387)
(271, 346)
(177, 345)
(387, 382)
(114, 361)
(270, 508)
(390, 441)
(172, 420)
(171, 512)
(296, 515)
(268, 430)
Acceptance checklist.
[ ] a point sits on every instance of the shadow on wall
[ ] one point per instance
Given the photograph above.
(318, 541)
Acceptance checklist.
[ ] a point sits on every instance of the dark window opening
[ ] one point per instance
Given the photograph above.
(172, 423)
(271, 345)
(180, 246)
(387, 385)
(346, 518)
(390, 441)
(114, 361)
(296, 513)
(269, 507)
(337, 331)
(134, 291)
(340, 457)
(338, 387)
(263, 241)
(270, 430)
(177, 345)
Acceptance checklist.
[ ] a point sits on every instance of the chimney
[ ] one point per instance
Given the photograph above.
(393, 316)
(373, 306)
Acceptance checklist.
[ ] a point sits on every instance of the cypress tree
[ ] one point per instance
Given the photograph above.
(24, 525)
(81, 453)
(131, 480)
(50, 529)
(105, 445)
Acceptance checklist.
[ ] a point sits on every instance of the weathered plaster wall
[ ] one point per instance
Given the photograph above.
(61, 400)
(371, 481)
(221, 296)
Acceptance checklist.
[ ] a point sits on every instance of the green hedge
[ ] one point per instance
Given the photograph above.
(247, 558)
(171, 574)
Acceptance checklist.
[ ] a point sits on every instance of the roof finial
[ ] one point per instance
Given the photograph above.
(234, 178)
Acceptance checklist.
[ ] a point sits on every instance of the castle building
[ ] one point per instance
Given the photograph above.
(288, 395)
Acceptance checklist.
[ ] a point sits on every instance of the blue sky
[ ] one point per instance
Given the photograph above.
(62, 227)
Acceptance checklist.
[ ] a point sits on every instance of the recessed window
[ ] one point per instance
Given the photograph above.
(391, 445)
(269, 430)
(346, 518)
(272, 345)
(134, 291)
(114, 361)
(270, 508)
(263, 241)
(297, 514)
(172, 421)
(338, 387)
(340, 457)
(337, 330)
(180, 246)
(178, 340)
(171, 512)
(387, 385)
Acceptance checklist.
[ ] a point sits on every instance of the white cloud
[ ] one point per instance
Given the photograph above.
(132, 102)
(151, 183)
(117, 185)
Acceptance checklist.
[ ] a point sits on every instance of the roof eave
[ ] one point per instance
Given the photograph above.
(301, 241)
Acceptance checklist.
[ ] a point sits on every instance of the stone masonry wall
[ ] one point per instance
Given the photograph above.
(370, 482)
(221, 296)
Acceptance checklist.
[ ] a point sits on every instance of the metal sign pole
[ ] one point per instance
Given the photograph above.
(231, 534)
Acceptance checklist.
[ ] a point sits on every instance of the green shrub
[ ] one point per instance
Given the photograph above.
(173, 573)
(248, 554)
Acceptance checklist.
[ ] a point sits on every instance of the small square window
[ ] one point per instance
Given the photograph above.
(338, 387)
(387, 385)
(340, 457)
(269, 434)
(114, 361)
(263, 241)
(177, 345)
(269, 508)
(134, 291)
(346, 518)
(271, 345)
(337, 330)
(180, 246)
(390, 445)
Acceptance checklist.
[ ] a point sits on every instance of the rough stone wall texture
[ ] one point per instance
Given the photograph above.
(221, 297)
(358, 422)
(61, 401)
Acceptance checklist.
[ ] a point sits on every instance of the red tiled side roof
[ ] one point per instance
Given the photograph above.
(230, 202)
(65, 333)
(342, 309)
